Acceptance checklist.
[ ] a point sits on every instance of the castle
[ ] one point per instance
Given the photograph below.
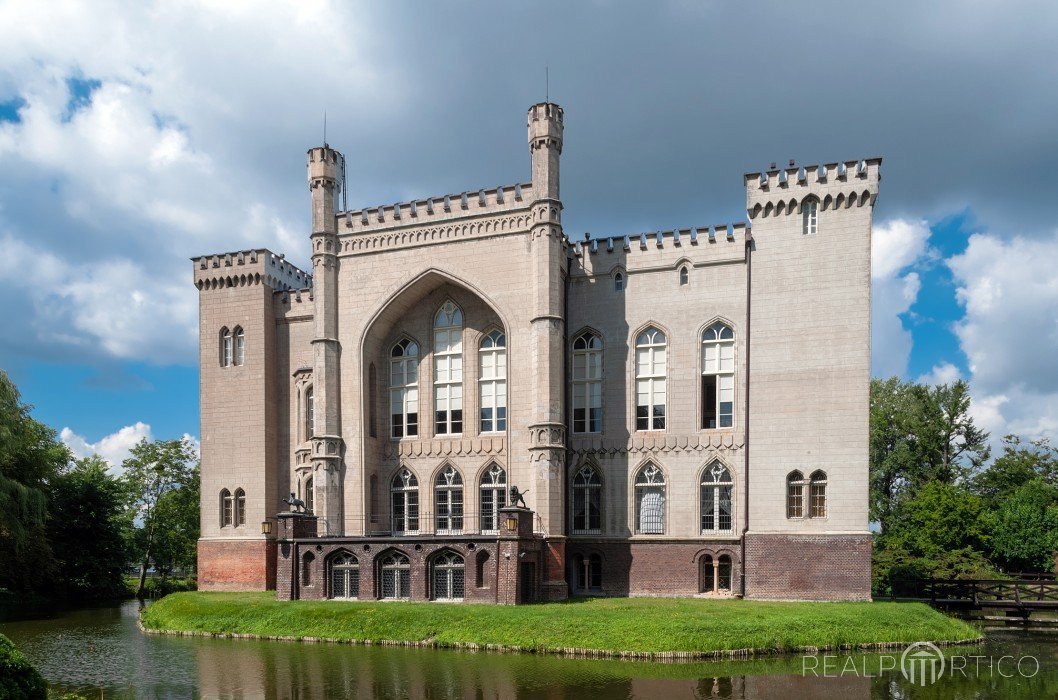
(685, 412)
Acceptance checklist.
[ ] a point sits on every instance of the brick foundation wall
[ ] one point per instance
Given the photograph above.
(236, 565)
(808, 567)
(651, 568)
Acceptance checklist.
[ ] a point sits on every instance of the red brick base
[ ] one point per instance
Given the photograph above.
(808, 567)
(651, 568)
(236, 565)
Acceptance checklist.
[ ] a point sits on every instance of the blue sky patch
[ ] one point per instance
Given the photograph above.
(9, 110)
(80, 90)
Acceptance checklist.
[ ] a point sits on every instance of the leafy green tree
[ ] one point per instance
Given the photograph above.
(153, 470)
(1025, 529)
(88, 529)
(176, 545)
(30, 458)
(940, 518)
(1019, 464)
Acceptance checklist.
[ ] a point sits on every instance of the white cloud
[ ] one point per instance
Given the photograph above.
(113, 448)
(943, 372)
(1009, 290)
(896, 245)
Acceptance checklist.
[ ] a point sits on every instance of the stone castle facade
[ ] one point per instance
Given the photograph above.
(685, 411)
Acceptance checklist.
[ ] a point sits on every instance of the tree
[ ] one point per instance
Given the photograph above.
(1025, 529)
(30, 458)
(88, 529)
(1019, 464)
(940, 518)
(176, 545)
(153, 470)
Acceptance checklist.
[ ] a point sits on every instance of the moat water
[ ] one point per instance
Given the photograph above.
(100, 652)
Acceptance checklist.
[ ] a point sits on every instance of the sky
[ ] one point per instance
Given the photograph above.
(134, 135)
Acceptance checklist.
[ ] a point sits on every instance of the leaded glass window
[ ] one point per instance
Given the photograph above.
(650, 501)
(718, 376)
(587, 383)
(650, 380)
(493, 497)
(716, 501)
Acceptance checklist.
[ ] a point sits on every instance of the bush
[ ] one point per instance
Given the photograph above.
(18, 679)
(160, 587)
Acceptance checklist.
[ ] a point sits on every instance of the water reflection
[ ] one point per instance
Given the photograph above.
(102, 649)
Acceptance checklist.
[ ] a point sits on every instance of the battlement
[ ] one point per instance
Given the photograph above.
(779, 191)
(700, 244)
(545, 123)
(435, 209)
(324, 163)
(248, 267)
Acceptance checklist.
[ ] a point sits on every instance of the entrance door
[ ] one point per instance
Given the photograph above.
(527, 580)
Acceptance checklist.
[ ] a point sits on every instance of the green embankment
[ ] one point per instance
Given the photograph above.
(605, 624)
(18, 679)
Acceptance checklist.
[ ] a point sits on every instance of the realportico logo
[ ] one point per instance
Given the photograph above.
(922, 663)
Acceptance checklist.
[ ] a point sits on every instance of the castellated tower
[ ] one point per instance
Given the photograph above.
(324, 167)
(240, 391)
(810, 363)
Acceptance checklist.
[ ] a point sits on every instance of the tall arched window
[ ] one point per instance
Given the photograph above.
(345, 576)
(240, 345)
(650, 380)
(716, 500)
(307, 560)
(227, 508)
(226, 347)
(718, 376)
(795, 495)
(492, 359)
(723, 573)
(650, 501)
(310, 413)
(817, 493)
(240, 507)
(809, 216)
(449, 576)
(685, 276)
(404, 498)
(448, 370)
(708, 574)
(587, 573)
(404, 389)
(309, 496)
(395, 576)
(587, 383)
(619, 282)
(448, 501)
(587, 501)
(493, 497)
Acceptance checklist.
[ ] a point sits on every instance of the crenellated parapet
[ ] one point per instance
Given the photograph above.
(647, 251)
(248, 267)
(779, 192)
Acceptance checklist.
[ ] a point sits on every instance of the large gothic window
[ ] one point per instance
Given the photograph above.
(449, 576)
(650, 501)
(718, 376)
(493, 497)
(404, 389)
(448, 370)
(345, 576)
(587, 501)
(650, 380)
(448, 501)
(492, 359)
(395, 576)
(587, 383)
(716, 499)
(404, 499)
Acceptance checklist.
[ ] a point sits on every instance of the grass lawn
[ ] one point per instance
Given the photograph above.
(606, 624)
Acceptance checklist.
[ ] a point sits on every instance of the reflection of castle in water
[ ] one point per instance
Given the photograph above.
(248, 669)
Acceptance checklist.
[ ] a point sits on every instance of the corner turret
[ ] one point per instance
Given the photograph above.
(545, 145)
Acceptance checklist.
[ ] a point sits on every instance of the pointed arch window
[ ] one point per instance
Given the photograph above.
(345, 576)
(309, 496)
(404, 499)
(685, 276)
(493, 497)
(310, 413)
(650, 501)
(718, 376)
(227, 508)
(240, 507)
(717, 491)
(240, 346)
(448, 501)
(650, 380)
(449, 576)
(817, 494)
(587, 383)
(227, 347)
(795, 495)
(395, 576)
(587, 501)
(448, 370)
(404, 389)
(619, 281)
(809, 216)
(492, 361)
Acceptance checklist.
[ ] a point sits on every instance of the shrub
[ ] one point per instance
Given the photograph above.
(18, 679)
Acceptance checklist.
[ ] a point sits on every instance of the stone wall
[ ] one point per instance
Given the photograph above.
(808, 567)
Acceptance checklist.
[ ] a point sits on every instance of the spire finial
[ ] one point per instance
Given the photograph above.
(547, 83)
(325, 128)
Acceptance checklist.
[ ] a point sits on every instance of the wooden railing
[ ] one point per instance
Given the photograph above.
(979, 593)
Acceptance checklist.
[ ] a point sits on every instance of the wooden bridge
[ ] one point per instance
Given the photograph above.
(1019, 599)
